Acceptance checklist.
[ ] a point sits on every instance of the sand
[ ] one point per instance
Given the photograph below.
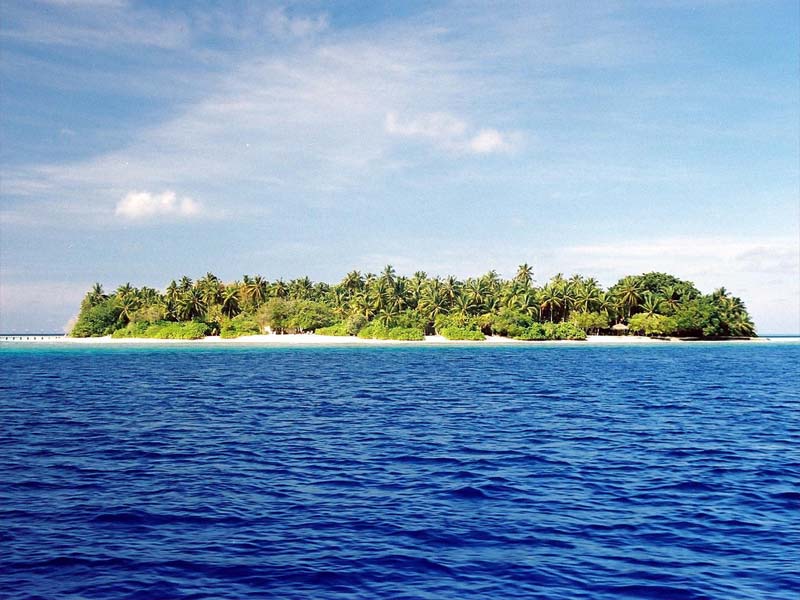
(309, 339)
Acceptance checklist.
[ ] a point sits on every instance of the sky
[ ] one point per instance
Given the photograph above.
(143, 141)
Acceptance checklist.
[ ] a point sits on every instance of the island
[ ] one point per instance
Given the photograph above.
(388, 306)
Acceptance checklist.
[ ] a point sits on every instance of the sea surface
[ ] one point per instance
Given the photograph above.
(539, 471)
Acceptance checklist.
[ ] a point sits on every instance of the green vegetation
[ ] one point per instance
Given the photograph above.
(164, 330)
(391, 306)
(458, 327)
(552, 331)
(238, 326)
(461, 333)
(340, 329)
(377, 331)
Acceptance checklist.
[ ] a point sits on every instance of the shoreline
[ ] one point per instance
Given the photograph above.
(310, 339)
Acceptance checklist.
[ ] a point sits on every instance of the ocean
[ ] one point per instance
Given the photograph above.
(535, 471)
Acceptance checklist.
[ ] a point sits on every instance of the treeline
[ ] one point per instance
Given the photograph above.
(390, 306)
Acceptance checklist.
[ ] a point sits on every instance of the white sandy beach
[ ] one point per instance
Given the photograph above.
(310, 339)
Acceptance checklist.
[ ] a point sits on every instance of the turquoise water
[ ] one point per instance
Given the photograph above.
(401, 472)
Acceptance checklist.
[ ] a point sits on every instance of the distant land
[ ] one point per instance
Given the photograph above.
(389, 306)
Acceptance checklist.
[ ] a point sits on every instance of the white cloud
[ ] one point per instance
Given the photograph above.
(437, 126)
(488, 140)
(144, 205)
(449, 132)
(283, 26)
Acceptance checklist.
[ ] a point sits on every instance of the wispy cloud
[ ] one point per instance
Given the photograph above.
(450, 133)
(140, 206)
(95, 24)
(487, 141)
(283, 25)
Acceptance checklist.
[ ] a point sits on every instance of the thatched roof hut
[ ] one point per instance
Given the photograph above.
(619, 328)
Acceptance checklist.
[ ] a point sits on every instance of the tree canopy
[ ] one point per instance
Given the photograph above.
(650, 303)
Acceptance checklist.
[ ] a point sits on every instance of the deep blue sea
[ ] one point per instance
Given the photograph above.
(539, 471)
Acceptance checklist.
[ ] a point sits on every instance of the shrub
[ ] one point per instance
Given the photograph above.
(652, 324)
(568, 331)
(461, 333)
(535, 332)
(552, 331)
(589, 321)
(164, 330)
(133, 330)
(699, 317)
(509, 323)
(340, 329)
(97, 320)
(275, 314)
(408, 319)
(307, 315)
(190, 330)
(376, 331)
(238, 326)
(410, 334)
(356, 323)
(149, 314)
(459, 321)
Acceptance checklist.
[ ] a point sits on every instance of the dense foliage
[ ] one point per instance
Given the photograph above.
(164, 330)
(390, 306)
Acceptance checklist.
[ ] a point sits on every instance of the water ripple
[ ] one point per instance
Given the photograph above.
(536, 471)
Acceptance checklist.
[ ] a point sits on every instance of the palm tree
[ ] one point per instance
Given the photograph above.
(740, 324)
(388, 274)
(171, 297)
(551, 299)
(671, 301)
(524, 274)
(586, 298)
(650, 304)
(191, 305)
(526, 304)
(279, 289)
(450, 288)
(257, 290)
(492, 280)
(96, 295)
(433, 303)
(630, 294)
(230, 301)
(463, 306)
(398, 300)
(477, 291)
(337, 298)
(124, 290)
(360, 305)
(128, 304)
(301, 289)
(353, 282)
(211, 288)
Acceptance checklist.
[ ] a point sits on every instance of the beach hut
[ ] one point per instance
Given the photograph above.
(619, 329)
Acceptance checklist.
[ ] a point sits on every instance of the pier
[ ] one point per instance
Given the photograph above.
(46, 338)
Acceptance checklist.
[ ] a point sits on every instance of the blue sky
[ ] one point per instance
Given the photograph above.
(141, 141)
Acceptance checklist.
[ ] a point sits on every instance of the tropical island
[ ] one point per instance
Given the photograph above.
(388, 306)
